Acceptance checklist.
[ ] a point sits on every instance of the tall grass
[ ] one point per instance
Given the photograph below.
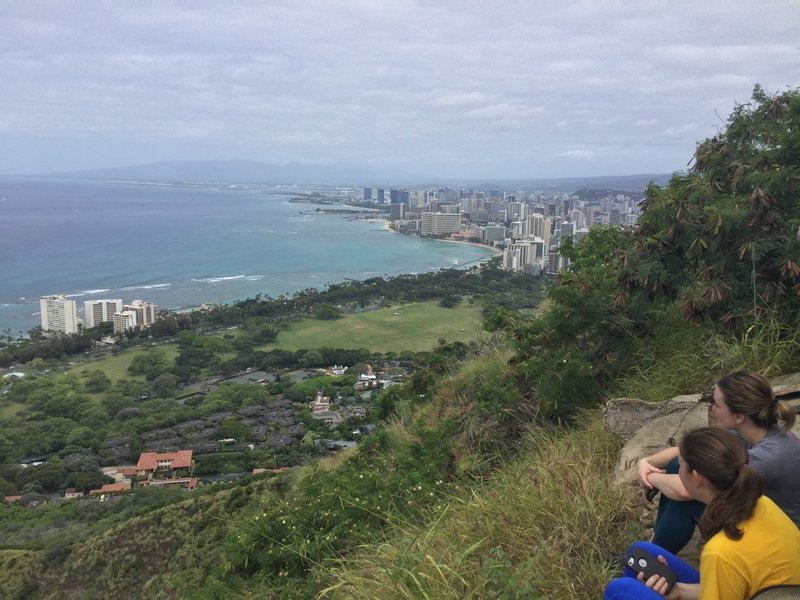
(543, 527)
(688, 358)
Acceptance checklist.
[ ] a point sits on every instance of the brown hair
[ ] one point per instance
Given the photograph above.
(749, 394)
(720, 457)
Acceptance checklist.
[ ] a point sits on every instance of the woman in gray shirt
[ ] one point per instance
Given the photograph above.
(745, 403)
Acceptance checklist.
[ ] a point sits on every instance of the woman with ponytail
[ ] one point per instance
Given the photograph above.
(750, 543)
(744, 403)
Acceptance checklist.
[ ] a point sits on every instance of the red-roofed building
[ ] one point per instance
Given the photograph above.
(165, 465)
(111, 488)
(127, 473)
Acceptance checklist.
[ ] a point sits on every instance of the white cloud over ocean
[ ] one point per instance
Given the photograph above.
(501, 89)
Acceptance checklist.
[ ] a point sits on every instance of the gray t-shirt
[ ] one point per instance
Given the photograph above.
(777, 459)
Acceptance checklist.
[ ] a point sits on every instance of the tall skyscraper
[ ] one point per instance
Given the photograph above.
(58, 314)
(100, 311)
(516, 211)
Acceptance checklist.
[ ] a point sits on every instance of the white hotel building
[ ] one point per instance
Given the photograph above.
(436, 223)
(58, 314)
(100, 311)
(135, 314)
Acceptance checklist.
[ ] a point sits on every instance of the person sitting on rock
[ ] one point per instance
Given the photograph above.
(751, 544)
(745, 403)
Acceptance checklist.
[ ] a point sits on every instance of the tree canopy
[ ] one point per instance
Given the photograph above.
(722, 241)
(724, 238)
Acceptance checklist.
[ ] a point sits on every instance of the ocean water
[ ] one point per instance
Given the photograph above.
(184, 245)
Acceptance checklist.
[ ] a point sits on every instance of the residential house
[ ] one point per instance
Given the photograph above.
(320, 403)
(165, 465)
(329, 417)
(72, 494)
(111, 488)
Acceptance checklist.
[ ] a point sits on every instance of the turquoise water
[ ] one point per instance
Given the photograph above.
(184, 245)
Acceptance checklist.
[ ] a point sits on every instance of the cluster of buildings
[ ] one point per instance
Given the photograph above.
(323, 410)
(526, 226)
(268, 427)
(154, 469)
(59, 314)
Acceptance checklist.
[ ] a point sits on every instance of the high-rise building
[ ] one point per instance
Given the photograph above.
(525, 255)
(417, 198)
(440, 223)
(124, 320)
(58, 314)
(397, 212)
(540, 226)
(100, 311)
(145, 312)
(494, 233)
(367, 194)
(516, 211)
(399, 197)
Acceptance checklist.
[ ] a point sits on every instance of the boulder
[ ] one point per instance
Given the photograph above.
(651, 426)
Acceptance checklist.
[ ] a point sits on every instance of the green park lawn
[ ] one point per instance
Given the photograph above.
(9, 409)
(408, 327)
(116, 365)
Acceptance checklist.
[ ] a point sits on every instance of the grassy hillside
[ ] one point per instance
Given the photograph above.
(403, 327)
(163, 554)
(213, 544)
(543, 526)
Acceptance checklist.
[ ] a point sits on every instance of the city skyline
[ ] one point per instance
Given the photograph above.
(452, 90)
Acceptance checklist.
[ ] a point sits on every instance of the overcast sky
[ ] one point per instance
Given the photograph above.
(448, 88)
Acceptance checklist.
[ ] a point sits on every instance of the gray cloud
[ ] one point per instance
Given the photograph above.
(509, 89)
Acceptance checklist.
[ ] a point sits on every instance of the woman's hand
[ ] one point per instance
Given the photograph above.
(659, 584)
(643, 471)
(679, 591)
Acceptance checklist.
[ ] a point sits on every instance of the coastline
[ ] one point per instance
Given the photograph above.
(387, 225)
(275, 250)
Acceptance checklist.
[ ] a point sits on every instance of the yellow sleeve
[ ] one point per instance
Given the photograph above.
(720, 580)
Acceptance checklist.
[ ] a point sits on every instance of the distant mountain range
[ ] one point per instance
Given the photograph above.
(243, 171)
(248, 171)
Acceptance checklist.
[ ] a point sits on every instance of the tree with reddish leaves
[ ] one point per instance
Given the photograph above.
(724, 238)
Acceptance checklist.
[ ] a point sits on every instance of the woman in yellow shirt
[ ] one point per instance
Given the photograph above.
(750, 543)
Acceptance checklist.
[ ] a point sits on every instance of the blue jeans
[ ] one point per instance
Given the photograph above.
(628, 587)
(675, 520)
